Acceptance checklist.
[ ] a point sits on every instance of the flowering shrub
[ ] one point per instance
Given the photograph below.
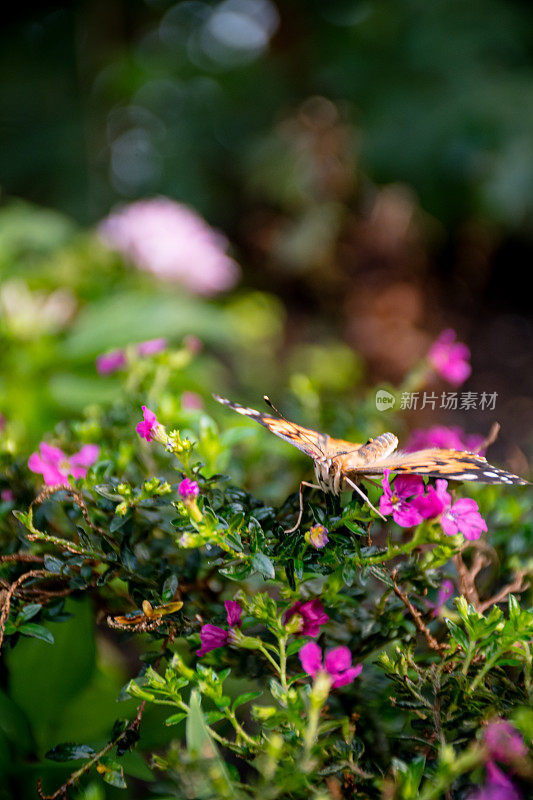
(330, 662)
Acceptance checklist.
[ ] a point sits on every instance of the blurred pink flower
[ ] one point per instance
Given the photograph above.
(312, 616)
(400, 500)
(146, 428)
(338, 664)
(7, 496)
(443, 595)
(445, 438)
(172, 242)
(188, 489)
(152, 347)
(212, 636)
(463, 517)
(56, 467)
(191, 401)
(110, 362)
(2, 422)
(498, 786)
(450, 359)
(504, 742)
(193, 344)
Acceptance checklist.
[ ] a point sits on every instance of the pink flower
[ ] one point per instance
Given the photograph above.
(433, 503)
(7, 496)
(444, 593)
(504, 742)
(172, 242)
(212, 636)
(450, 359)
(188, 489)
(146, 429)
(463, 517)
(445, 438)
(497, 787)
(55, 466)
(193, 344)
(152, 347)
(317, 536)
(396, 501)
(338, 664)
(312, 616)
(2, 422)
(191, 401)
(110, 362)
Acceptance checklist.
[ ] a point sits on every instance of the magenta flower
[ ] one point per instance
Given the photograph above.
(2, 422)
(463, 517)
(172, 242)
(504, 742)
(444, 593)
(399, 501)
(152, 347)
(498, 786)
(445, 438)
(110, 362)
(337, 666)
(212, 636)
(312, 616)
(56, 467)
(146, 428)
(450, 359)
(7, 496)
(433, 503)
(188, 489)
(317, 536)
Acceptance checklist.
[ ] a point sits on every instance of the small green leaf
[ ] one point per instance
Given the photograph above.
(174, 719)
(245, 698)
(70, 752)
(37, 631)
(264, 566)
(29, 611)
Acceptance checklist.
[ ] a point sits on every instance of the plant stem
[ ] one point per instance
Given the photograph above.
(283, 661)
(267, 655)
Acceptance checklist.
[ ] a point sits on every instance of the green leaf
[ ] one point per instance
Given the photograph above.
(174, 719)
(29, 611)
(169, 588)
(458, 634)
(245, 698)
(201, 745)
(38, 631)
(264, 566)
(70, 752)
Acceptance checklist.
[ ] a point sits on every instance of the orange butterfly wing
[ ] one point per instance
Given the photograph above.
(456, 465)
(310, 442)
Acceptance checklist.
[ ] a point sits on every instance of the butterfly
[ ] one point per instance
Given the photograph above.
(341, 465)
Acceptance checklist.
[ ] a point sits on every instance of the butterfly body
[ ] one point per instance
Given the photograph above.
(342, 465)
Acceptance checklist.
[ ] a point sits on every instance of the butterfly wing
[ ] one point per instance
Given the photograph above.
(310, 442)
(455, 465)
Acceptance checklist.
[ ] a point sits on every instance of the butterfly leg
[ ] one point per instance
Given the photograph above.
(300, 515)
(365, 498)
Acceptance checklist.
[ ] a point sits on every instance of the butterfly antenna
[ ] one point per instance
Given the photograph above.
(490, 439)
(269, 402)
